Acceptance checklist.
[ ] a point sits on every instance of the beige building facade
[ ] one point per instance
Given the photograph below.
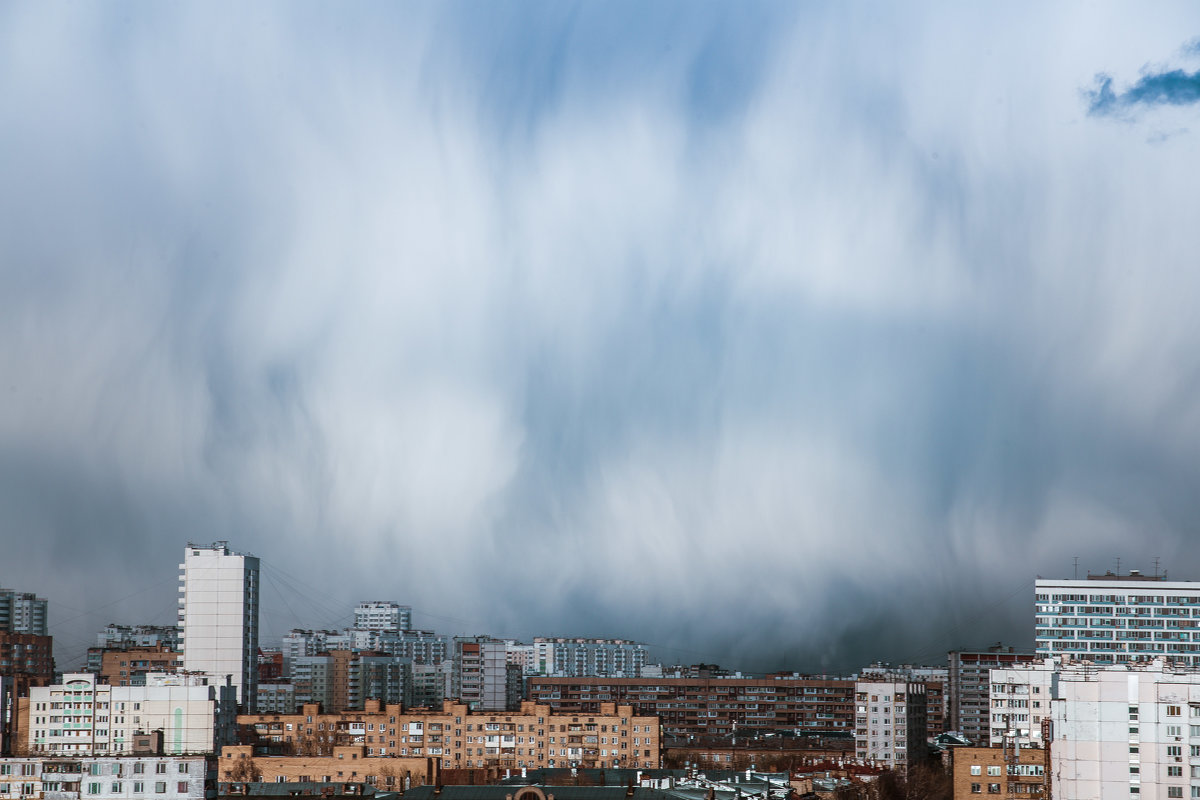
(458, 738)
(348, 764)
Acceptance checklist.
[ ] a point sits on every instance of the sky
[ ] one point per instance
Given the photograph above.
(777, 335)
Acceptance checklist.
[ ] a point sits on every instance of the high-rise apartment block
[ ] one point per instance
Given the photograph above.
(889, 720)
(968, 710)
(218, 616)
(22, 612)
(1114, 619)
(382, 615)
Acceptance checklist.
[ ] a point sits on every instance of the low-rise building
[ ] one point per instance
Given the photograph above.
(1015, 773)
(103, 777)
(345, 764)
(81, 717)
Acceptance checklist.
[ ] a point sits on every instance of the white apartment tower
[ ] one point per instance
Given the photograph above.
(1115, 619)
(218, 616)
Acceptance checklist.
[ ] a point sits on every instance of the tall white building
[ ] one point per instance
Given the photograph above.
(1114, 619)
(1126, 731)
(1020, 703)
(890, 722)
(218, 616)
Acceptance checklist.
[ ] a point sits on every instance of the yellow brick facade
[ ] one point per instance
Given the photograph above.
(456, 738)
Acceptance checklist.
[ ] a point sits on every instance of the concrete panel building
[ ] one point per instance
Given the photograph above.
(890, 725)
(218, 616)
(382, 615)
(968, 687)
(22, 612)
(1114, 619)
(81, 717)
(103, 778)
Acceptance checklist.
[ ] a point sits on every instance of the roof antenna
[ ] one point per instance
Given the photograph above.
(1156, 560)
(1118, 566)
(1076, 567)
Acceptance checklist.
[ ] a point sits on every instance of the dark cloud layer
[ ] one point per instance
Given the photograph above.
(1175, 87)
(792, 339)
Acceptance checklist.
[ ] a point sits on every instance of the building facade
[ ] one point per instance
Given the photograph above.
(103, 778)
(890, 727)
(1126, 730)
(532, 736)
(382, 615)
(1013, 773)
(576, 658)
(1020, 703)
(23, 612)
(81, 717)
(129, 666)
(1114, 619)
(347, 764)
(968, 688)
(218, 616)
(712, 706)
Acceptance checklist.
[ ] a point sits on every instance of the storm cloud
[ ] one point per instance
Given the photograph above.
(787, 338)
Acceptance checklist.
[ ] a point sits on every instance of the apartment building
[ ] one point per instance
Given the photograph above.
(27, 658)
(1126, 730)
(218, 616)
(118, 637)
(968, 688)
(345, 764)
(1113, 619)
(1013, 773)
(1020, 703)
(129, 666)
(890, 721)
(531, 736)
(382, 615)
(419, 647)
(579, 657)
(276, 698)
(482, 676)
(344, 679)
(712, 706)
(23, 612)
(81, 717)
(103, 778)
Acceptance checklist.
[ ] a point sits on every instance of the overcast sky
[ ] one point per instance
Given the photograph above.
(786, 335)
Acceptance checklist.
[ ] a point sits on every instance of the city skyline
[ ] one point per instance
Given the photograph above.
(785, 337)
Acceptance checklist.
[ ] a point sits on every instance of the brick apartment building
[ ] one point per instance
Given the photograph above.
(129, 666)
(1017, 774)
(350, 764)
(712, 706)
(532, 737)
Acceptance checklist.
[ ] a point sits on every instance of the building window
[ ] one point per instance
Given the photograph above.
(993, 771)
(993, 788)
(1173, 711)
(1174, 791)
(976, 788)
(181, 787)
(160, 787)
